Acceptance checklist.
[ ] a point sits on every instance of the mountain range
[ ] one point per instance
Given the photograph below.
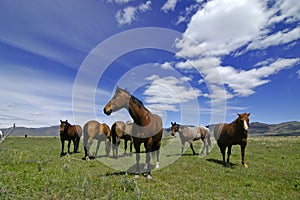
(291, 128)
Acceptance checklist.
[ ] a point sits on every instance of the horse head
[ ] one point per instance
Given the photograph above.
(174, 128)
(118, 101)
(63, 125)
(243, 120)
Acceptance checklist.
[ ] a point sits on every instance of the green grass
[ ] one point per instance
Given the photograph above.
(31, 168)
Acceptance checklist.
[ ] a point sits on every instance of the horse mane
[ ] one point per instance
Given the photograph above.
(136, 101)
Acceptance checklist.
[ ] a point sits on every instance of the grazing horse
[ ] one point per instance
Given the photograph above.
(69, 132)
(234, 133)
(120, 130)
(94, 130)
(190, 134)
(146, 129)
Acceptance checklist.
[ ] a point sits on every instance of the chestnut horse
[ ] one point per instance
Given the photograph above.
(69, 132)
(94, 130)
(146, 129)
(120, 130)
(234, 133)
(190, 134)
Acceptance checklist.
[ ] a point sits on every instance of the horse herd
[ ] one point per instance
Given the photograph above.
(146, 129)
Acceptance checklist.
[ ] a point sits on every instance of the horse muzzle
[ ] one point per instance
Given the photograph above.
(107, 112)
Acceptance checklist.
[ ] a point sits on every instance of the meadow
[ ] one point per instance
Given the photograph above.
(31, 168)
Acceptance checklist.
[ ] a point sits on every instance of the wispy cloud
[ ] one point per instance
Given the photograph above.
(169, 5)
(129, 14)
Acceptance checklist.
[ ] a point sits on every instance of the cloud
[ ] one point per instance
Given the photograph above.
(119, 1)
(169, 91)
(278, 38)
(128, 14)
(169, 5)
(221, 27)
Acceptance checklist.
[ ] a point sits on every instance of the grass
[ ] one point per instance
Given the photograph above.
(31, 168)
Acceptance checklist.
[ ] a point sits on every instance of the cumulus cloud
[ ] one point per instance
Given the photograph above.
(169, 91)
(128, 14)
(224, 28)
(169, 5)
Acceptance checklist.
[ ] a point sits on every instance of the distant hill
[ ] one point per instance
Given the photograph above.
(43, 131)
(282, 129)
(285, 128)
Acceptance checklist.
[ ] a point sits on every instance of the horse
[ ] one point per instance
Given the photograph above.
(95, 130)
(234, 133)
(69, 132)
(146, 128)
(120, 130)
(190, 134)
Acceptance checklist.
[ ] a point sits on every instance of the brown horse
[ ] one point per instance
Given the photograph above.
(190, 134)
(234, 133)
(69, 132)
(94, 130)
(146, 129)
(120, 130)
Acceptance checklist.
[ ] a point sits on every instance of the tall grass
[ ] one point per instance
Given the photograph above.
(31, 168)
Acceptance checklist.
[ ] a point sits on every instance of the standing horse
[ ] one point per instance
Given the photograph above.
(69, 132)
(94, 130)
(234, 133)
(120, 130)
(190, 134)
(146, 129)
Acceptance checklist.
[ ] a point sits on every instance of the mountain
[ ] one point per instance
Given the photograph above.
(291, 128)
(43, 131)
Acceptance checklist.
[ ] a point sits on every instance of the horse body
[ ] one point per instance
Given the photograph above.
(235, 133)
(190, 134)
(70, 133)
(95, 130)
(120, 130)
(146, 129)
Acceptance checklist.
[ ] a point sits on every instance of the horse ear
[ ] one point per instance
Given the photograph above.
(248, 114)
(66, 120)
(238, 114)
(172, 123)
(60, 121)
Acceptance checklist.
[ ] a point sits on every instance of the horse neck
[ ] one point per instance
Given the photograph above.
(238, 127)
(139, 113)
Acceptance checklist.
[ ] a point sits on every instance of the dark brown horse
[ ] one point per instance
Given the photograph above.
(94, 130)
(146, 129)
(120, 130)
(69, 132)
(190, 134)
(234, 133)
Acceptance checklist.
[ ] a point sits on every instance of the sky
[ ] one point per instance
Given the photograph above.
(190, 61)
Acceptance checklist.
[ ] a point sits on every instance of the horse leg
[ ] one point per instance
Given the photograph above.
(98, 146)
(62, 148)
(182, 147)
(125, 148)
(148, 148)
(87, 148)
(243, 147)
(69, 144)
(130, 148)
(191, 145)
(107, 147)
(204, 144)
(137, 158)
(228, 154)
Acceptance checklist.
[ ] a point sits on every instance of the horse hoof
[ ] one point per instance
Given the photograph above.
(245, 165)
(149, 177)
(157, 165)
(136, 176)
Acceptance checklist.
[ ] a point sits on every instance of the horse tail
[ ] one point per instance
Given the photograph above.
(114, 133)
(85, 135)
(208, 138)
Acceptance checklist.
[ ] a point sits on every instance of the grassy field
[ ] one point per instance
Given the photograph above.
(31, 168)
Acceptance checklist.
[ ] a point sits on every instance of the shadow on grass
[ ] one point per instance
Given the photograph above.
(220, 162)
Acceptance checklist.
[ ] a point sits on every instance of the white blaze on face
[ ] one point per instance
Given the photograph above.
(245, 125)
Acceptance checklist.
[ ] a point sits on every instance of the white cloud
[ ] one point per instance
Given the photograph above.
(169, 91)
(278, 38)
(298, 73)
(169, 5)
(145, 6)
(128, 14)
(166, 65)
(119, 1)
(221, 27)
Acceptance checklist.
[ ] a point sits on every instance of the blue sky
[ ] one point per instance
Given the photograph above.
(194, 61)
